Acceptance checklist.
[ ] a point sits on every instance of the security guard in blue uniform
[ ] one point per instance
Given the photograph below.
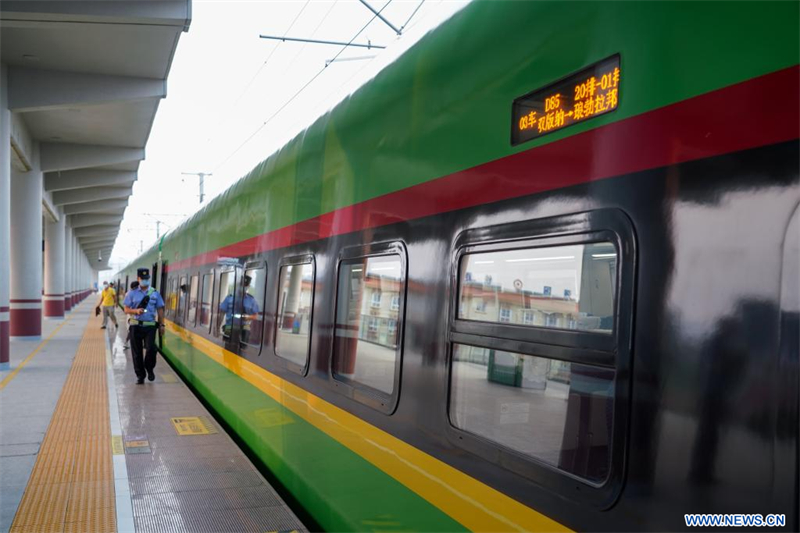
(251, 311)
(146, 308)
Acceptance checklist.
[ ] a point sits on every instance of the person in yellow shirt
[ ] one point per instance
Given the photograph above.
(108, 300)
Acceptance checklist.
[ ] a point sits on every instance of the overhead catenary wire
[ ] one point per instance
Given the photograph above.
(299, 91)
(293, 61)
(336, 94)
(258, 71)
(412, 15)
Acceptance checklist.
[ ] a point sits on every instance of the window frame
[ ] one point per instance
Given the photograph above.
(354, 390)
(169, 313)
(203, 275)
(256, 265)
(373, 304)
(182, 313)
(193, 323)
(215, 331)
(281, 361)
(582, 347)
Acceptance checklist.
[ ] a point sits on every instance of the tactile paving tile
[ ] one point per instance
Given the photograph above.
(71, 487)
(274, 518)
(198, 452)
(221, 520)
(179, 442)
(165, 523)
(198, 481)
(146, 465)
(200, 501)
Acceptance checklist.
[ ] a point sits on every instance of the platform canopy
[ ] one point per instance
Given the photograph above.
(84, 82)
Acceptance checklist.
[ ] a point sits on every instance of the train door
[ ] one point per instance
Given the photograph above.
(154, 276)
(228, 300)
(248, 322)
(162, 290)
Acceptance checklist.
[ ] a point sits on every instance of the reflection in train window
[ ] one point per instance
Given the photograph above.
(226, 301)
(172, 298)
(367, 344)
(255, 284)
(183, 290)
(205, 300)
(566, 287)
(194, 287)
(558, 412)
(294, 312)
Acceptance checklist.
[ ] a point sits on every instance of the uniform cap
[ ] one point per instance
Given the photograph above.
(143, 273)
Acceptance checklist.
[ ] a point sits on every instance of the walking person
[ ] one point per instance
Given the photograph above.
(108, 300)
(134, 285)
(146, 308)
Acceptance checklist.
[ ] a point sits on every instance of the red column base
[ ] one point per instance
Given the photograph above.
(54, 308)
(5, 342)
(26, 322)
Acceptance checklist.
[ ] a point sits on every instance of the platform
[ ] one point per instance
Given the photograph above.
(84, 448)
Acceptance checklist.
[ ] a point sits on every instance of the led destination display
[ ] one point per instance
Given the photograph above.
(588, 93)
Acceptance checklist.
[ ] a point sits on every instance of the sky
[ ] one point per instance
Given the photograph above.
(234, 99)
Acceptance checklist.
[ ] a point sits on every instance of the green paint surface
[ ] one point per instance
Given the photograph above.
(445, 105)
(340, 490)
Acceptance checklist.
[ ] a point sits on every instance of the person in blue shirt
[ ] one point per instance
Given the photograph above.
(249, 307)
(146, 308)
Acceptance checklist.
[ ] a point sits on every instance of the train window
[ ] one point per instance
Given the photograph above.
(183, 290)
(367, 341)
(170, 301)
(193, 289)
(556, 411)
(540, 336)
(295, 299)
(227, 283)
(206, 296)
(255, 284)
(566, 287)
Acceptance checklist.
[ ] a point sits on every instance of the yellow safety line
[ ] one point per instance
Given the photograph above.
(71, 488)
(470, 502)
(24, 362)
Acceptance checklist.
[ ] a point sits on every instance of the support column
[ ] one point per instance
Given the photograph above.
(54, 269)
(26, 259)
(67, 267)
(74, 261)
(5, 218)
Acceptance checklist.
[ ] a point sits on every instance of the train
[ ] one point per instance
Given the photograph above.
(539, 274)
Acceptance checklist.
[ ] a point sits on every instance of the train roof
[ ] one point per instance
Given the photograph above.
(445, 105)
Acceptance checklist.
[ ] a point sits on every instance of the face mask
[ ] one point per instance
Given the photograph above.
(144, 283)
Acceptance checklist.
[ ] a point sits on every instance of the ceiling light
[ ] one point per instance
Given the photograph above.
(560, 258)
(601, 256)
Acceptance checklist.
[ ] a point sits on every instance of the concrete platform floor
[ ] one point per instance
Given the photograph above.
(163, 481)
(28, 396)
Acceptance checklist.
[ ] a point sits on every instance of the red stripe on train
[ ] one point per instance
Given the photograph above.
(697, 128)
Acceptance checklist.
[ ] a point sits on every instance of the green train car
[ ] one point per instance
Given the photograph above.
(539, 274)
